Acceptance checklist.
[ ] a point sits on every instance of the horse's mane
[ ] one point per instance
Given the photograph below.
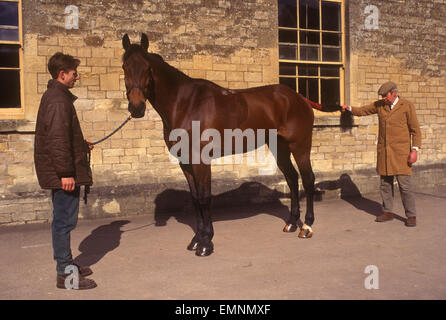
(166, 65)
(152, 57)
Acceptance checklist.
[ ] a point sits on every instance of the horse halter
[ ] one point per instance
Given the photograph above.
(148, 88)
(136, 87)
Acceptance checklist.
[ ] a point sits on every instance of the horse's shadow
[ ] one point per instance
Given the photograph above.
(177, 203)
(253, 197)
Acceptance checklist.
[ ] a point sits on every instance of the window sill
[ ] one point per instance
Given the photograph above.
(17, 126)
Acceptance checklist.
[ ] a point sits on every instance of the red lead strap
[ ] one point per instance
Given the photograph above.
(314, 104)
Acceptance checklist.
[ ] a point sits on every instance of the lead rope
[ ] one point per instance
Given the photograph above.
(116, 130)
(87, 188)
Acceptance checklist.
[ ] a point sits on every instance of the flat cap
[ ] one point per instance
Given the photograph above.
(386, 87)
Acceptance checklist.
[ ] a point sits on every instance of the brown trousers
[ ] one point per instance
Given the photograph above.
(407, 197)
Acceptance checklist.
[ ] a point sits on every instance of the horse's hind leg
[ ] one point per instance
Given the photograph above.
(292, 178)
(199, 180)
(304, 164)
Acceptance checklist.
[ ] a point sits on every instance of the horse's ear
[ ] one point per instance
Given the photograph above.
(144, 42)
(125, 42)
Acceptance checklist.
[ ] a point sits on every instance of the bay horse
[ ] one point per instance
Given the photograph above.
(180, 100)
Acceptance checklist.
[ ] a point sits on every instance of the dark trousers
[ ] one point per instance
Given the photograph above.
(407, 197)
(65, 214)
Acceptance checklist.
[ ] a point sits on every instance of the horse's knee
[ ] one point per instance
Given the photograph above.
(202, 203)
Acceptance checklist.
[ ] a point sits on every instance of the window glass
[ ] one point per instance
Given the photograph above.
(331, 16)
(288, 52)
(309, 53)
(309, 88)
(309, 14)
(9, 56)
(329, 71)
(308, 70)
(287, 69)
(288, 36)
(331, 54)
(288, 13)
(330, 88)
(10, 89)
(290, 82)
(9, 21)
(331, 39)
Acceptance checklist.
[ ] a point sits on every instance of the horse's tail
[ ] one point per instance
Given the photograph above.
(346, 117)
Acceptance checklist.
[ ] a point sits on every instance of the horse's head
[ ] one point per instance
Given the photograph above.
(137, 74)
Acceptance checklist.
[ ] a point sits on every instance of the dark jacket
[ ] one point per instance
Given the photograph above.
(60, 149)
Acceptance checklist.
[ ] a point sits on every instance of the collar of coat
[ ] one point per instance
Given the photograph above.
(380, 103)
(53, 83)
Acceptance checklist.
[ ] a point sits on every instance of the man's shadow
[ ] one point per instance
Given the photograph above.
(102, 240)
(351, 194)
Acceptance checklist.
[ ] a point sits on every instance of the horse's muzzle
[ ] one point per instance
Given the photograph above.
(137, 112)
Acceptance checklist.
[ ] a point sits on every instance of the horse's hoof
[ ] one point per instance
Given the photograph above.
(193, 245)
(204, 251)
(306, 232)
(289, 227)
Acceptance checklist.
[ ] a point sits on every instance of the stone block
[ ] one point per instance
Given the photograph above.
(34, 64)
(93, 95)
(20, 170)
(23, 216)
(235, 76)
(94, 116)
(103, 52)
(109, 81)
(131, 134)
(89, 79)
(202, 62)
(141, 143)
(71, 41)
(253, 76)
(98, 62)
(215, 75)
(5, 218)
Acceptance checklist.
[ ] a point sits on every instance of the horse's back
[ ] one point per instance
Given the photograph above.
(270, 106)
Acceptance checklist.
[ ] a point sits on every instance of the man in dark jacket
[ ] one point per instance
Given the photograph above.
(61, 161)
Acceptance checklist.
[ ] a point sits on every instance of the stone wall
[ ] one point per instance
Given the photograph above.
(233, 43)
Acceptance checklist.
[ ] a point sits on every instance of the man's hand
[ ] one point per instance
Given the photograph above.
(344, 107)
(413, 156)
(90, 146)
(68, 184)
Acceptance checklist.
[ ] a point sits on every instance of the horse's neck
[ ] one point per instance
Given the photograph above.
(167, 84)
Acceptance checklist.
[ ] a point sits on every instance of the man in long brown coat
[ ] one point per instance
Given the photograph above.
(399, 140)
(60, 158)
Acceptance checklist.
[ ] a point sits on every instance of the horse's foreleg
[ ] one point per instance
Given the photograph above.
(199, 180)
(202, 241)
